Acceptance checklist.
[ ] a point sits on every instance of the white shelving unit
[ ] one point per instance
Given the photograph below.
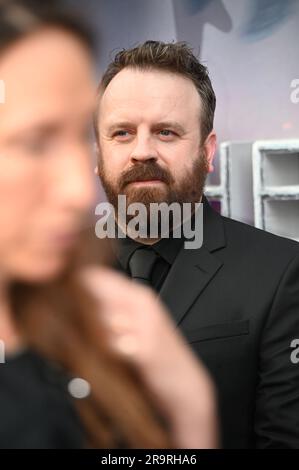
(234, 191)
(276, 186)
(220, 192)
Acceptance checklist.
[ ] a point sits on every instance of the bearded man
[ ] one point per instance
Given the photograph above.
(236, 297)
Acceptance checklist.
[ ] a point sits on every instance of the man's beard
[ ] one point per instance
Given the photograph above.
(188, 190)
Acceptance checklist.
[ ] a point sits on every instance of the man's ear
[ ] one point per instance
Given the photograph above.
(210, 149)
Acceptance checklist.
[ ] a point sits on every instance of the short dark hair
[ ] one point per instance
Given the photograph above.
(176, 57)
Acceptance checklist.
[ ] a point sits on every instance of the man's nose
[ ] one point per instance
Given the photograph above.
(144, 149)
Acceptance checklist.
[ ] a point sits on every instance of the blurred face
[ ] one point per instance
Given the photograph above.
(46, 184)
(150, 147)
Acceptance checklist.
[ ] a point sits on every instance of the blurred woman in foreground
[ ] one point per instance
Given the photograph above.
(85, 364)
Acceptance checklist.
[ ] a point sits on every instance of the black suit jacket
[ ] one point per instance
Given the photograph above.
(236, 300)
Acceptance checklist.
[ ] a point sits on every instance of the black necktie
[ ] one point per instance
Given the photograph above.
(141, 265)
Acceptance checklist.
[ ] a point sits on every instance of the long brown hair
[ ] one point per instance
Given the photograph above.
(60, 318)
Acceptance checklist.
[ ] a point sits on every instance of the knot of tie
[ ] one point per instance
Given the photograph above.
(141, 265)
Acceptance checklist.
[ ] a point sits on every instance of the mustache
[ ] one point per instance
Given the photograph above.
(144, 172)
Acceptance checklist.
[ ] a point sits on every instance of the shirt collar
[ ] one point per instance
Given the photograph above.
(166, 248)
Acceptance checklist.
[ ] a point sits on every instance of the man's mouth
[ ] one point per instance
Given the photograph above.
(147, 182)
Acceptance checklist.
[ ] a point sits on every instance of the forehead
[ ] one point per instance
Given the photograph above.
(48, 73)
(152, 93)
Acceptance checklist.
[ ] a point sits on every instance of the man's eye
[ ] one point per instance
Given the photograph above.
(121, 133)
(166, 133)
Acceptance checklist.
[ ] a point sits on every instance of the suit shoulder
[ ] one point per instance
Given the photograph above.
(250, 235)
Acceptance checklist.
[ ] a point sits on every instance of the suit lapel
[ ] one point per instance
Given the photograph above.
(187, 279)
(194, 269)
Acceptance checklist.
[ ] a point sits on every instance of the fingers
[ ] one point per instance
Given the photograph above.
(119, 296)
(112, 287)
(122, 335)
(117, 308)
(134, 319)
